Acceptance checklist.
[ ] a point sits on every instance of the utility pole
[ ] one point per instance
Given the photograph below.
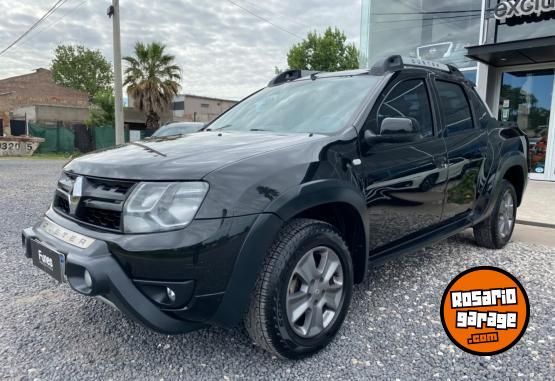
(113, 12)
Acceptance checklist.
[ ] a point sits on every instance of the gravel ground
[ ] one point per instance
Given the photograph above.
(392, 331)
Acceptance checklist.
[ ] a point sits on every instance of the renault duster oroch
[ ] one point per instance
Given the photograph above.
(271, 213)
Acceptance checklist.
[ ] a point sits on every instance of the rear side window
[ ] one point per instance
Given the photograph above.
(408, 99)
(482, 113)
(455, 109)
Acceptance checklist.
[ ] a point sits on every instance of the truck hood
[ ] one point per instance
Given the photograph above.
(188, 157)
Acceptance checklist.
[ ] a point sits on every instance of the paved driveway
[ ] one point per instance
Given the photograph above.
(393, 329)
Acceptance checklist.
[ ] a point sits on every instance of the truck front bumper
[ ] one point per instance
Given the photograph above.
(211, 266)
(108, 281)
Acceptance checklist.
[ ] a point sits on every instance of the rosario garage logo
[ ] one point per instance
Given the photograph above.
(485, 311)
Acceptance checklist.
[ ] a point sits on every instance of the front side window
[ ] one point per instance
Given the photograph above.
(408, 99)
(323, 105)
(455, 109)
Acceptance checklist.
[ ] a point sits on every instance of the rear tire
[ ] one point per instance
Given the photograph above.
(496, 231)
(304, 290)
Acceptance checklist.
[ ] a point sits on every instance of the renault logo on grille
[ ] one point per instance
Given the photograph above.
(75, 195)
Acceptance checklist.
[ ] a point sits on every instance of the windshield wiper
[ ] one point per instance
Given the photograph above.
(149, 149)
(259, 129)
(221, 128)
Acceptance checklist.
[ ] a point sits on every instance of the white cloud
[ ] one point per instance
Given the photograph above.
(223, 50)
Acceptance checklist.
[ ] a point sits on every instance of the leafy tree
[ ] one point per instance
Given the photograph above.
(82, 69)
(152, 79)
(102, 110)
(327, 52)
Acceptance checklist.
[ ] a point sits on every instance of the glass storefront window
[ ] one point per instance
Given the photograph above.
(427, 29)
(519, 28)
(526, 100)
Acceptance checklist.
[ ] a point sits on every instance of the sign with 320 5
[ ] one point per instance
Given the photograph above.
(15, 146)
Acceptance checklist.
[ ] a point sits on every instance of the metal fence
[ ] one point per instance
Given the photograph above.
(76, 138)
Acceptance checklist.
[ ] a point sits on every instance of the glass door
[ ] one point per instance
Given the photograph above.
(527, 99)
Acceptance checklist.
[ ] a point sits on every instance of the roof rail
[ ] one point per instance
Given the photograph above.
(395, 63)
(290, 75)
(455, 70)
(386, 65)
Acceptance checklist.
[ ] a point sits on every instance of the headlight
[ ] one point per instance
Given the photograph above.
(65, 182)
(155, 207)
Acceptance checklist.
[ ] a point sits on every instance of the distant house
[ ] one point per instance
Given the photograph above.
(185, 108)
(35, 97)
(194, 108)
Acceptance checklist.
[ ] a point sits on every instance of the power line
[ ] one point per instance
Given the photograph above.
(53, 23)
(264, 19)
(425, 13)
(48, 13)
(57, 5)
(429, 22)
(429, 18)
(65, 15)
(299, 23)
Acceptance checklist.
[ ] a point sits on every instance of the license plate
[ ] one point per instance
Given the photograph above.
(48, 260)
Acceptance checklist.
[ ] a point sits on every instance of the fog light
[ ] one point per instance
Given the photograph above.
(88, 279)
(171, 294)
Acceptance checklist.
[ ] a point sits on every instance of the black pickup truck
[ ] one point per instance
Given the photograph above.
(269, 215)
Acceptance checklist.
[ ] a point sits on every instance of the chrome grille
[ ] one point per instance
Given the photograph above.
(100, 201)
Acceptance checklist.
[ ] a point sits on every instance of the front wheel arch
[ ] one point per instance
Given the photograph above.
(266, 319)
(345, 218)
(337, 203)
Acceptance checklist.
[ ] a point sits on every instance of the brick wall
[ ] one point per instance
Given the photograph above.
(38, 88)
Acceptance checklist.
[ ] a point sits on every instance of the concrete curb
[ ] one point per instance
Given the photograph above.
(536, 224)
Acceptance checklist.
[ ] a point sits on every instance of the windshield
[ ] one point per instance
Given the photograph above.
(324, 105)
(177, 130)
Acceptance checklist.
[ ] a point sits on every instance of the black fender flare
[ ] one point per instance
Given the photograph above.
(333, 191)
(313, 194)
(262, 234)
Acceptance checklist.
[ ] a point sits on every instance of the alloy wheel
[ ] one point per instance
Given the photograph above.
(314, 292)
(506, 215)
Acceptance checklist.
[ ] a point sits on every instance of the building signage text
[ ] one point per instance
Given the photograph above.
(519, 8)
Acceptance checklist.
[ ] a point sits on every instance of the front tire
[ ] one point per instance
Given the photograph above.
(496, 231)
(303, 293)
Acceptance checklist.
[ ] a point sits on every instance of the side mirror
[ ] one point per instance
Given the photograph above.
(394, 130)
(396, 126)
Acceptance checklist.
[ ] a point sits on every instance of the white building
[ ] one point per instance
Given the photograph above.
(194, 108)
(506, 47)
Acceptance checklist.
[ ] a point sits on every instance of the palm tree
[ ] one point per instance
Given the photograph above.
(152, 79)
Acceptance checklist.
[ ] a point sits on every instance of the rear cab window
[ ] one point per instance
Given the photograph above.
(481, 112)
(455, 108)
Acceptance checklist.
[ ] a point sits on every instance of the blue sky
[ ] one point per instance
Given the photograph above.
(223, 50)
